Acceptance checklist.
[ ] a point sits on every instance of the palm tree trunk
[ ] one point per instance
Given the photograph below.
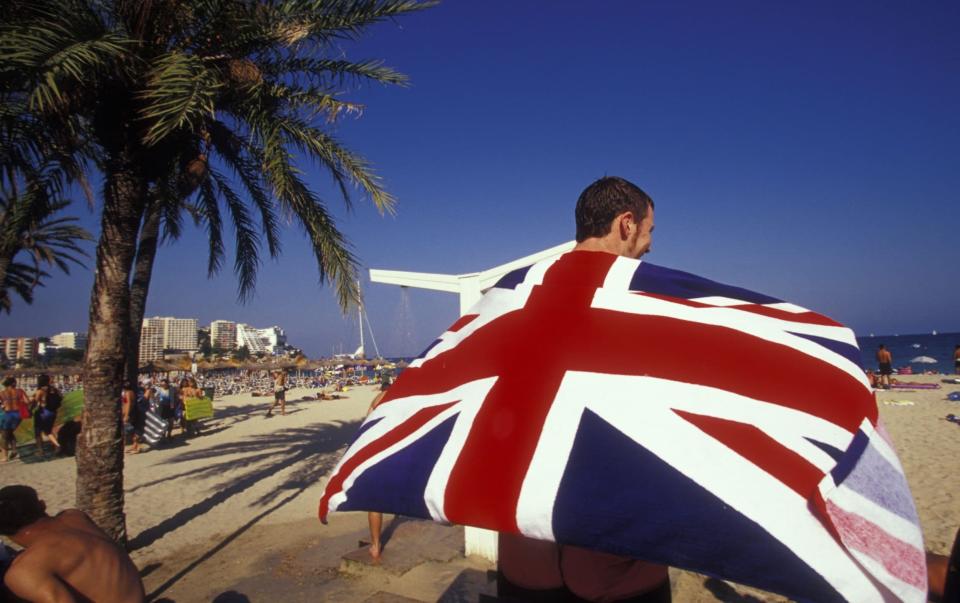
(100, 446)
(140, 285)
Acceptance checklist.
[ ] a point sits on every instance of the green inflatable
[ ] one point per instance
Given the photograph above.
(71, 408)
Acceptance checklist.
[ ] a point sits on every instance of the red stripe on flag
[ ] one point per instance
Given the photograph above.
(810, 318)
(807, 317)
(902, 560)
(462, 322)
(762, 450)
(401, 431)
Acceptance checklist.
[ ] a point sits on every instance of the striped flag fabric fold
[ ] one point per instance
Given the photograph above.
(609, 403)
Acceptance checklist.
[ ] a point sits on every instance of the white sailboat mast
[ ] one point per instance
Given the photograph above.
(360, 317)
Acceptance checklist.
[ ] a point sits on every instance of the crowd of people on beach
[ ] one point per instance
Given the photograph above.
(42, 406)
(158, 396)
(67, 553)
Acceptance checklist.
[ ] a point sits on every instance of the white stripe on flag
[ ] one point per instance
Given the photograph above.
(719, 300)
(788, 307)
(471, 396)
(763, 327)
(730, 477)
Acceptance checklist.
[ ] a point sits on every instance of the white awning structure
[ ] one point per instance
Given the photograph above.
(470, 288)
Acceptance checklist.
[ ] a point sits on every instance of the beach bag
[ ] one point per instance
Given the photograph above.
(23, 409)
(198, 408)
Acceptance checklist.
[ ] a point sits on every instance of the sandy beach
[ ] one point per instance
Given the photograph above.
(230, 515)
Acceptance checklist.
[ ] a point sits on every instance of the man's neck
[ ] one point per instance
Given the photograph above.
(28, 534)
(605, 244)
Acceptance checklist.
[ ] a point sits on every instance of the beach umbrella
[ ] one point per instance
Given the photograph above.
(924, 360)
(577, 403)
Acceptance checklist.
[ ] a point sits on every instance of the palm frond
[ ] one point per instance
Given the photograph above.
(20, 279)
(180, 92)
(339, 161)
(331, 71)
(166, 198)
(248, 243)
(317, 100)
(231, 148)
(348, 18)
(58, 58)
(209, 209)
(335, 260)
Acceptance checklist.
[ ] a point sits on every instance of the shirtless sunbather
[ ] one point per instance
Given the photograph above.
(65, 558)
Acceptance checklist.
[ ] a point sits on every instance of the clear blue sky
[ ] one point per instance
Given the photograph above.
(807, 150)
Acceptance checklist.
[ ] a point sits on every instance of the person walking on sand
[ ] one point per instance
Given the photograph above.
(375, 518)
(956, 359)
(46, 403)
(130, 413)
(279, 391)
(885, 359)
(11, 398)
(64, 558)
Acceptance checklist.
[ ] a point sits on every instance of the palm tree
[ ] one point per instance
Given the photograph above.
(208, 105)
(33, 238)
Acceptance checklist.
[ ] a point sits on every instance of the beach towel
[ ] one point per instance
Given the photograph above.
(609, 403)
(198, 408)
(154, 427)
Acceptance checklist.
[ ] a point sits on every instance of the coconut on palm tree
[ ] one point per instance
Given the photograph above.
(206, 107)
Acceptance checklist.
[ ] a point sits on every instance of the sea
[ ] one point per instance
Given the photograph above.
(903, 347)
(906, 348)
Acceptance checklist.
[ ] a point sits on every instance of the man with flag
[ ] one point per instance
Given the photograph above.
(618, 436)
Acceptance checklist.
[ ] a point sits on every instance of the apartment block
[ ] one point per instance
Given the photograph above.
(151, 340)
(70, 339)
(223, 334)
(19, 348)
(270, 340)
(180, 334)
(167, 333)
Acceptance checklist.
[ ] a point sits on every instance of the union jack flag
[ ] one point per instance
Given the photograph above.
(605, 402)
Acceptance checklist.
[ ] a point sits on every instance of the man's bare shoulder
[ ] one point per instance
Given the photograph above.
(34, 581)
(78, 520)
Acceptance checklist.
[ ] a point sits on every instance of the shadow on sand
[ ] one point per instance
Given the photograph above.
(308, 450)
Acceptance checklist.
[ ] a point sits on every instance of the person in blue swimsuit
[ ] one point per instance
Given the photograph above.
(10, 419)
(46, 402)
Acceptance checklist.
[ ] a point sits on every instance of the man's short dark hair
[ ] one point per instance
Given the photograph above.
(19, 506)
(9, 382)
(606, 199)
(43, 380)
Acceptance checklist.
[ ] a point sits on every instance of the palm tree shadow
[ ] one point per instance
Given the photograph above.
(308, 449)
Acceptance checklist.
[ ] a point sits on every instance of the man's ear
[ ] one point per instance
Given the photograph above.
(622, 223)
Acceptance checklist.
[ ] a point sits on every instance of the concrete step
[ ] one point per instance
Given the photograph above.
(406, 543)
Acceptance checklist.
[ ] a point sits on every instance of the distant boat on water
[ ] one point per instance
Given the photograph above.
(934, 332)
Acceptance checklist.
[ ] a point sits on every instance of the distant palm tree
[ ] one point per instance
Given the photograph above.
(32, 239)
(206, 104)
